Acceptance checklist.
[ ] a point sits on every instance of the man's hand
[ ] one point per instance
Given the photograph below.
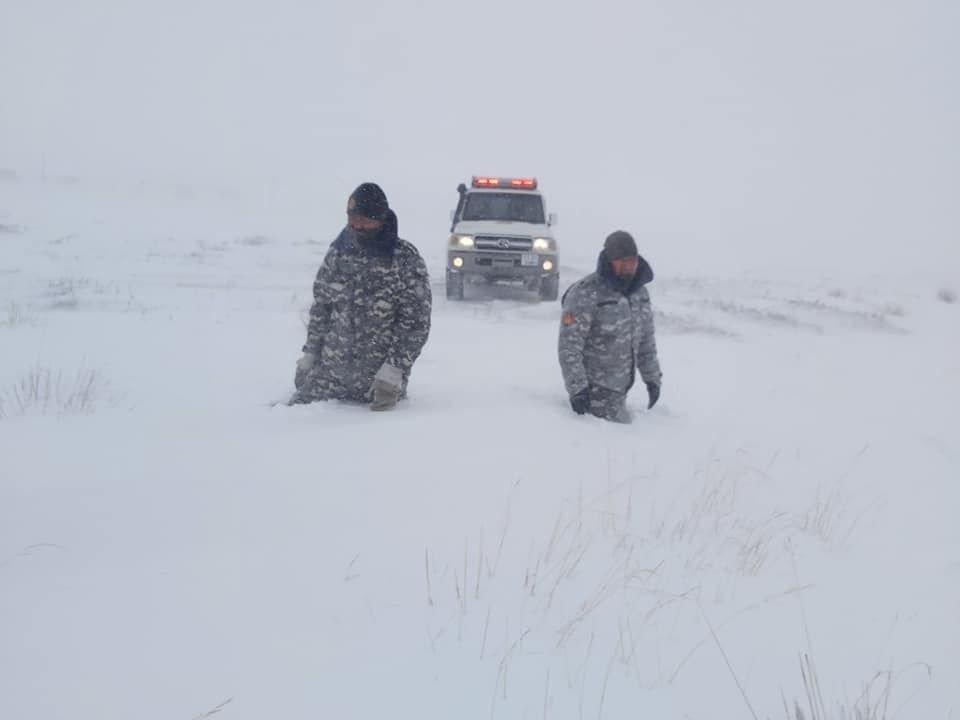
(387, 386)
(304, 364)
(581, 401)
(653, 390)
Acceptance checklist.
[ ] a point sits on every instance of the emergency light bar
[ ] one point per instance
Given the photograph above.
(480, 181)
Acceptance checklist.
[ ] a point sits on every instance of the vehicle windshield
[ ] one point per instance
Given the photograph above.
(513, 207)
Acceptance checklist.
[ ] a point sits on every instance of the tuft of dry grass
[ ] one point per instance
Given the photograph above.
(873, 702)
(16, 315)
(45, 392)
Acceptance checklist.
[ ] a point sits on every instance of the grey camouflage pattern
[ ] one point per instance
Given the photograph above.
(369, 309)
(604, 336)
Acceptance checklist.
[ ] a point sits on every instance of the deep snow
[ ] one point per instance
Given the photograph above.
(480, 552)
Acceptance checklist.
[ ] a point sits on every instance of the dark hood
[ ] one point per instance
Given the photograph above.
(390, 225)
(643, 275)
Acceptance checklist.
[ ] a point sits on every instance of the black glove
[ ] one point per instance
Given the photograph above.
(581, 401)
(653, 390)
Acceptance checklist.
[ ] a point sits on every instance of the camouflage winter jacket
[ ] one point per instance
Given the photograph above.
(606, 331)
(372, 305)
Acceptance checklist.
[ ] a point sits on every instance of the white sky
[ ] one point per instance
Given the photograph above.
(716, 132)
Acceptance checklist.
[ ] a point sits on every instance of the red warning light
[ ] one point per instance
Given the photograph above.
(482, 181)
(486, 182)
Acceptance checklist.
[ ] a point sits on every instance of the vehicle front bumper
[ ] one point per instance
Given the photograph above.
(502, 264)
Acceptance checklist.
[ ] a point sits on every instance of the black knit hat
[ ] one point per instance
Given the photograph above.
(619, 244)
(369, 201)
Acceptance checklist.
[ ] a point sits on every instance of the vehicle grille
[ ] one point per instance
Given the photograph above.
(505, 261)
(494, 242)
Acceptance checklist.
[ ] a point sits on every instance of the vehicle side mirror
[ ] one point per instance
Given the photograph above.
(552, 219)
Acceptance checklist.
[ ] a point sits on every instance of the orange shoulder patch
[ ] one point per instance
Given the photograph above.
(568, 318)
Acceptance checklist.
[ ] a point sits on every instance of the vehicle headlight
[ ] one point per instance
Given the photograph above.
(542, 243)
(462, 240)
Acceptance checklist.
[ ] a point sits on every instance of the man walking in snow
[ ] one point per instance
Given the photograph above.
(371, 312)
(607, 333)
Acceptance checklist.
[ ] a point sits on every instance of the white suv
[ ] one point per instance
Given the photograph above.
(501, 232)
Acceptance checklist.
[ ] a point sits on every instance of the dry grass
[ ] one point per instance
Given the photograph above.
(65, 293)
(873, 702)
(16, 315)
(602, 579)
(214, 711)
(47, 392)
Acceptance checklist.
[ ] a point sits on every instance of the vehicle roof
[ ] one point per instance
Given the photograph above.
(515, 191)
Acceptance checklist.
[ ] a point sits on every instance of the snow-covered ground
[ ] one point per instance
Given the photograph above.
(173, 545)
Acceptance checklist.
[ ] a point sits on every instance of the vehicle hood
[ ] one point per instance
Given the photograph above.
(504, 227)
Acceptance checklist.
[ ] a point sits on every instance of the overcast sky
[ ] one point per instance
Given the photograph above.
(715, 131)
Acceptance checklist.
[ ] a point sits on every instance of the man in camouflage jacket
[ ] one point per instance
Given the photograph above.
(607, 333)
(371, 312)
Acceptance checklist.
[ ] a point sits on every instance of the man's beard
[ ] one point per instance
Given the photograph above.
(623, 281)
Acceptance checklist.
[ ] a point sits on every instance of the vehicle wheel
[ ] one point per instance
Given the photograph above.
(454, 287)
(550, 288)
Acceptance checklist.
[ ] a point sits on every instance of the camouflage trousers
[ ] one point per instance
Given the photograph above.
(609, 405)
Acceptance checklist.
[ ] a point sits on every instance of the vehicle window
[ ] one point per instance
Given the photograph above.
(513, 207)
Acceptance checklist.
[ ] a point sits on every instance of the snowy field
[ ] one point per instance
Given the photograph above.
(780, 529)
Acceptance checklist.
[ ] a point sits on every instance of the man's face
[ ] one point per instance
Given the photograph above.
(363, 227)
(360, 222)
(625, 268)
